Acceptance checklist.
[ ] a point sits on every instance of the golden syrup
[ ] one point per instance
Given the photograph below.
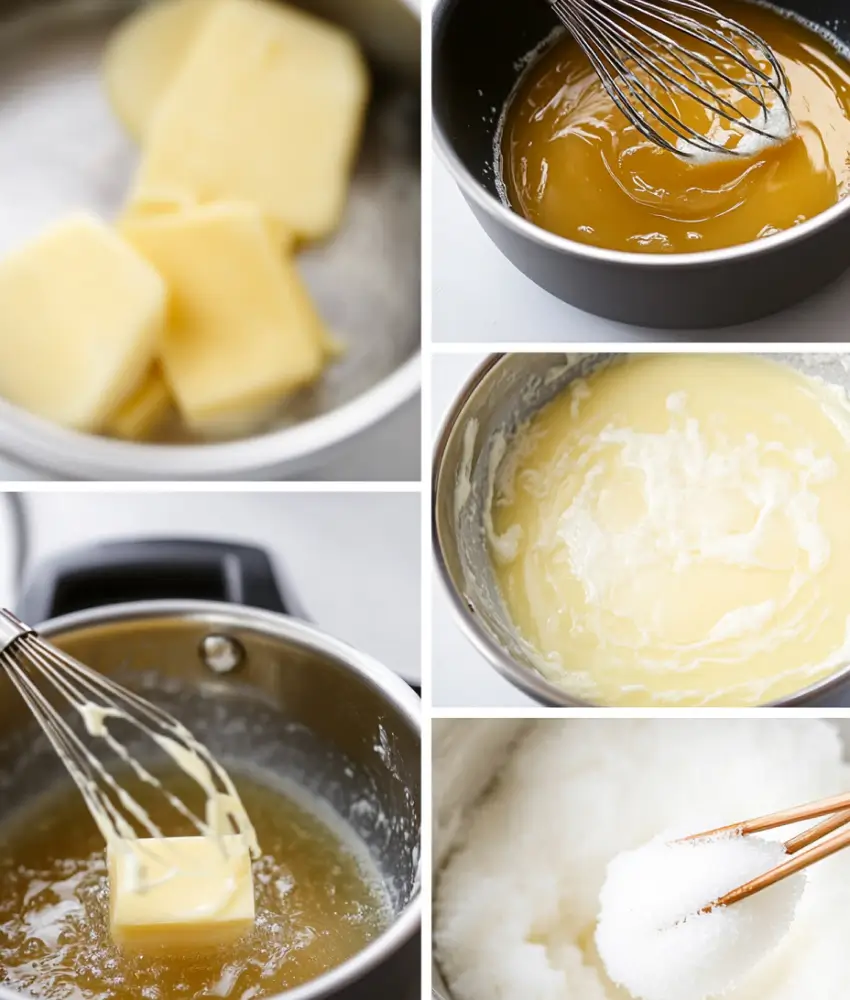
(572, 164)
(319, 901)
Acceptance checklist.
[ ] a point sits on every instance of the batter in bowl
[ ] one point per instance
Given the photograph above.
(572, 164)
(673, 531)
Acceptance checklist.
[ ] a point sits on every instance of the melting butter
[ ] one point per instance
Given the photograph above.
(142, 869)
(672, 530)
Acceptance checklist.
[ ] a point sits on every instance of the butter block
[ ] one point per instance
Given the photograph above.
(80, 314)
(267, 108)
(164, 202)
(179, 893)
(242, 331)
(144, 411)
(143, 57)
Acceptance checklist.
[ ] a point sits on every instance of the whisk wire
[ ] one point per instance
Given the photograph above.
(616, 71)
(111, 696)
(634, 42)
(621, 70)
(26, 658)
(83, 767)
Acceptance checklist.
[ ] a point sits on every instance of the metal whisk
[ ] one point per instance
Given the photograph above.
(635, 44)
(49, 681)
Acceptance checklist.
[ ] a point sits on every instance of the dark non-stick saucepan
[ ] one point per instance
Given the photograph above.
(206, 630)
(477, 49)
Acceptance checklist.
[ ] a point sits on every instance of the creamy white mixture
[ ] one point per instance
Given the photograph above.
(517, 904)
(673, 531)
(658, 934)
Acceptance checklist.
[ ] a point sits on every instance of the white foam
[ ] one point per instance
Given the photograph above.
(776, 125)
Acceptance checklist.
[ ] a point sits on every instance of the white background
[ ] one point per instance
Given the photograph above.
(480, 298)
(353, 559)
(460, 676)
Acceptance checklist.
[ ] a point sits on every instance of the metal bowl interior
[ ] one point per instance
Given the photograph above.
(504, 393)
(65, 150)
(301, 707)
(484, 745)
(473, 82)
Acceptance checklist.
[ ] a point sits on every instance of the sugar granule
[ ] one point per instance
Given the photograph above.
(654, 940)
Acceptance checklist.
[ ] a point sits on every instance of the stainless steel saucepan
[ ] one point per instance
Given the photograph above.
(504, 392)
(263, 689)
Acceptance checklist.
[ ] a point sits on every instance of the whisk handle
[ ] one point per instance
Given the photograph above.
(11, 628)
(154, 569)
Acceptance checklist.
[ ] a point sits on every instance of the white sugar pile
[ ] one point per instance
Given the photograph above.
(653, 938)
(517, 903)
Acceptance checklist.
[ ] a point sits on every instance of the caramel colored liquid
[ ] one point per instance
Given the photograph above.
(573, 164)
(318, 902)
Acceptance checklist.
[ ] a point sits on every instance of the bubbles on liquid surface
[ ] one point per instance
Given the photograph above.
(318, 902)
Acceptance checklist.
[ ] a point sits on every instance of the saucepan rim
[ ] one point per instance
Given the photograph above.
(43, 445)
(406, 923)
(523, 677)
(495, 207)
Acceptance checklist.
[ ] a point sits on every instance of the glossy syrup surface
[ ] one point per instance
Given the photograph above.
(572, 164)
(319, 901)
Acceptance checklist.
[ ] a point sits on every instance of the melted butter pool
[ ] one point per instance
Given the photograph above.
(319, 901)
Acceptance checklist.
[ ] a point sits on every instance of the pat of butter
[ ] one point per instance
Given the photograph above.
(144, 55)
(80, 313)
(243, 332)
(267, 107)
(165, 203)
(144, 411)
(180, 892)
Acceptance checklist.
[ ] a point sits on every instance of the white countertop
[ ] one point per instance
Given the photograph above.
(353, 559)
(460, 677)
(481, 298)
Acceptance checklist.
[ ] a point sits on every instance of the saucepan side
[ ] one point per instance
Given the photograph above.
(478, 49)
(505, 391)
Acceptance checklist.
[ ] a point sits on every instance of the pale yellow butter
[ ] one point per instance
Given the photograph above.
(144, 55)
(144, 411)
(80, 314)
(268, 108)
(180, 892)
(242, 331)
